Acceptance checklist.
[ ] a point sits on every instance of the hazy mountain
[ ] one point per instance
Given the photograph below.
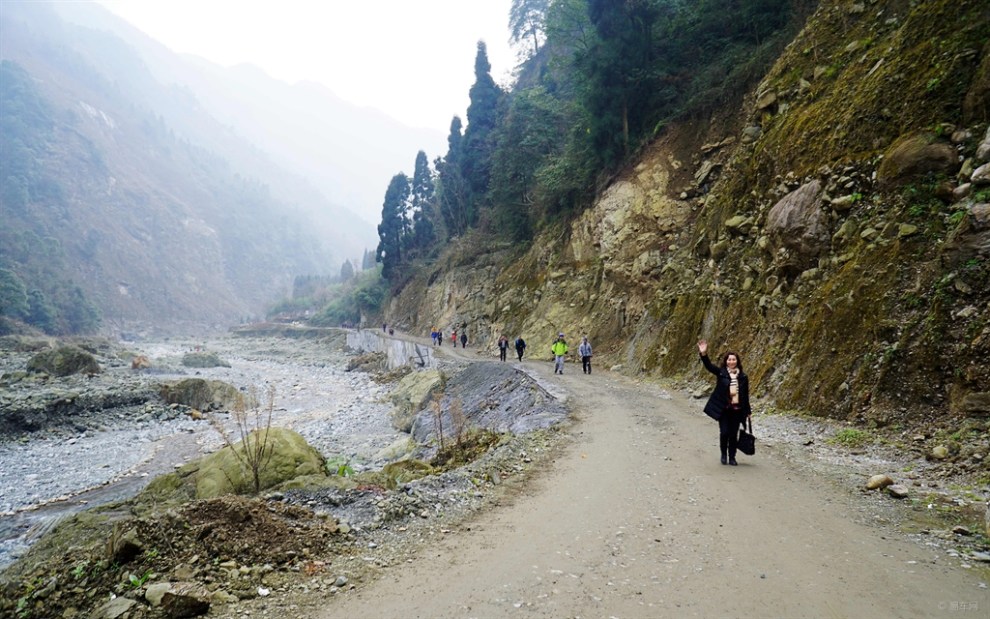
(346, 151)
(124, 193)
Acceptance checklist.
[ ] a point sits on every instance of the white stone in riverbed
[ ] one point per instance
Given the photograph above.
(898, 491)
(879, 481)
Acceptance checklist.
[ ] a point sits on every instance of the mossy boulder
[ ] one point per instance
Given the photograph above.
(64, 361)
(394, 474)
(914, 155)
(411, 395)
(286, 456)
(203, 394)
(203, 360)
(317, 481)
(174, 487)
(405, 471)
(398, 450)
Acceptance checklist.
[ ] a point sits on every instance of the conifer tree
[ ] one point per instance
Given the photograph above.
(367, 260)
(482, 116)
(526, 22)
(451, 190)
(346, 271)
(421, 201)
(393, 229)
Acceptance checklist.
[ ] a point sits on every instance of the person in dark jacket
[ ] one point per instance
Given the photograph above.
(463, 339)
(584, 350)
(520, 347)
(729, 402)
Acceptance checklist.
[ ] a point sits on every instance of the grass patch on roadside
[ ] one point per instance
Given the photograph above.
(850, 437)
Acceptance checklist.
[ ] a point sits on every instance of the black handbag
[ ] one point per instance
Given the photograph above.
(747, 442)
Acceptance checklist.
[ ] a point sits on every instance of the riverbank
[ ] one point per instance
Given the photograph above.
(96, 447)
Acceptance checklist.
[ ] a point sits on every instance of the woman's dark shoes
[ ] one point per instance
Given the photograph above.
(732, 462)
(724, 461)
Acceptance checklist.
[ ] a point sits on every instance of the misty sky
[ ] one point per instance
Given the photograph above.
(413, 59)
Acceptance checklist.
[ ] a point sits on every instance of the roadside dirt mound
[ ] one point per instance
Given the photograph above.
(231, 528)
(236, 542)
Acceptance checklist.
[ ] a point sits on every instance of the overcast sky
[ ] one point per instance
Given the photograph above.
(413, 59)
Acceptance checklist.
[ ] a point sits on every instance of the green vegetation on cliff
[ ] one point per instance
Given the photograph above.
(830, 223)
(604, 83)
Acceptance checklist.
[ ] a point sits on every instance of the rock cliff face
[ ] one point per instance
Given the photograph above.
(835, 232)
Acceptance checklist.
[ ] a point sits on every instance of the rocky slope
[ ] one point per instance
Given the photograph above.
(834, 232)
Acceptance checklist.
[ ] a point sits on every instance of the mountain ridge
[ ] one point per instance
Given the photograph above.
(145, 222)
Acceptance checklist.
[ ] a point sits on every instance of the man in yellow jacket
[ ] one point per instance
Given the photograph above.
(559, 349)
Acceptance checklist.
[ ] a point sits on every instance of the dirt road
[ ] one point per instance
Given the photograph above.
(639, 519)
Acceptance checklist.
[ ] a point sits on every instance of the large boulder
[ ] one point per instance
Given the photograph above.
(185, 599)
(203, 360)
(914, 155)
(286, 456)
(492, 396)
(203, 394)
(798, 222)
(64, 361)
(411, 395)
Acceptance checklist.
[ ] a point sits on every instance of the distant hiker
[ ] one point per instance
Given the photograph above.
(559, 349)
(453, 338)
(520, 347)
(463, 339)
(729, 402)
(503, 346)
(384, 327)
(391, 331)
(433, 335)
(439, 337)
(585, 351)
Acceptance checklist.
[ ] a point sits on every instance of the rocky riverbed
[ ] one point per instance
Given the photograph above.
(65, 436)
(79, 441)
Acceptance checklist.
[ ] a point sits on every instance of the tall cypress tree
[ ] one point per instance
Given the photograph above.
(392, 230)
(422, 204)
(451, 192)
(482, 116)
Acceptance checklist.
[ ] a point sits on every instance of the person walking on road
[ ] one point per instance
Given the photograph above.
(559, 349)
(453, 338)
(729, 402)
(503, 346)
(520, 347)
(463, 339)
(585, 351)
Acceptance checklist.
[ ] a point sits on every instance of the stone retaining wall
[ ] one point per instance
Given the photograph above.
(399, 352)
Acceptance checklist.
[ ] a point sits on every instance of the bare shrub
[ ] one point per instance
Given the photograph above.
(252, 421)
(437, 411)
(458, 421)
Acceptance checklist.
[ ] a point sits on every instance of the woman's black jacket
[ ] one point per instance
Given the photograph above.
(719, 399)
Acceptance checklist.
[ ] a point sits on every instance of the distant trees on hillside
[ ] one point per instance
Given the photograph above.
(34, 288)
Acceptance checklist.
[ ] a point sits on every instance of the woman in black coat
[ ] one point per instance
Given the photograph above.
(729, 402)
